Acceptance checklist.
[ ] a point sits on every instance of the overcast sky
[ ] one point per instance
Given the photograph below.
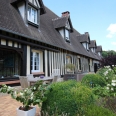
(98, 17)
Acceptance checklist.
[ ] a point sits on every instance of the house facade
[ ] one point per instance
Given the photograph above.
(34, 40)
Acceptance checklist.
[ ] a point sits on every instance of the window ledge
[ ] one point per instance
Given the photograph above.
(31, 23)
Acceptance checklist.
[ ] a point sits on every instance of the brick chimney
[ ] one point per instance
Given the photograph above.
(64, 14)
(86, 33)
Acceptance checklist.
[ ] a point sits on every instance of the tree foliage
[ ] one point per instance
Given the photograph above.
(107, 53)
(110, 60)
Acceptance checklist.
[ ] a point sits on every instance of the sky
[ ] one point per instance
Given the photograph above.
(98, 17)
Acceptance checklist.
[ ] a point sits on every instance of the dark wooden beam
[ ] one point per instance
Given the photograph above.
(27, 43)
(11, 48)
(24, 61)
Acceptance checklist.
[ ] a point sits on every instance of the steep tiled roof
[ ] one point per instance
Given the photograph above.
(92, 44)
(60, 22)
(11, 21)
(99, 49)
(83, 38)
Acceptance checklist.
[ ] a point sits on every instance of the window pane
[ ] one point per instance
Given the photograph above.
(35, 62)
(32, 14)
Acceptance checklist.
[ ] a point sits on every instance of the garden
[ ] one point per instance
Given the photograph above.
(95, 95)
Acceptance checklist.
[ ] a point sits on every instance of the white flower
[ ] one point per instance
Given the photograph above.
(31, 94)
(108, 84)
(105, 73)
(106, 77)
(9, 87)
(34, 88)
(21, 93)
(107, 87)
(112, 89)
(113, 84)
(113, 81)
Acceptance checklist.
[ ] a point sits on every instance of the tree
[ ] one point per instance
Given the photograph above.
(107, 53)
(110, 60)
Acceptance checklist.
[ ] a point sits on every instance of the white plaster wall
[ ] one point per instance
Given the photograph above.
(15, 45)
(61, 32)
(9, 43)
(41, 61)
(46, 63)
(3, 42)
(19, 45)
(84, 44)
(21, 7)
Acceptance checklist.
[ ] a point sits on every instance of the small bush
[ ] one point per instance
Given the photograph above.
(106, 73)
(69, 97)
(93, 110)
(93, 80)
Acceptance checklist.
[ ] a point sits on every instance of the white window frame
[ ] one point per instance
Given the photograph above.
(32, 15)
(33, 61)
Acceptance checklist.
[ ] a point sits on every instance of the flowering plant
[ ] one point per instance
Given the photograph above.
(34, 95)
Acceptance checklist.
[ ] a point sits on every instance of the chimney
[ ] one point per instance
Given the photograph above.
(64, 14)
(86, 33)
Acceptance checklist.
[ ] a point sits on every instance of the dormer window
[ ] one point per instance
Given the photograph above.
(93, 50)
(67, 35)
(32, 14)
(99, 53)
(64, 25)
(85, 45)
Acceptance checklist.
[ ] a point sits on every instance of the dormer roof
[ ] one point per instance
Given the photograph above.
(99, 49)
(60, 22)
(84, 38)
(92, 44)
(42, 8)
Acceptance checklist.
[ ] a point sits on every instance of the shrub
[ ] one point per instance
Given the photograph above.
(69, 97)
(94, 110)
(93, 80)
(34, 95)
(106, 73)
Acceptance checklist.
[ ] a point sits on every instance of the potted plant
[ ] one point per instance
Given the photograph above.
(70, 68)
(29, 97)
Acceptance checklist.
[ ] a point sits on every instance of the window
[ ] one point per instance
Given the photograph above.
(68, 59)
(35, 64)
(87, 47)
(84, 44)
(32, 14)
(10, 64)
(99, 53)
(67, 34)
